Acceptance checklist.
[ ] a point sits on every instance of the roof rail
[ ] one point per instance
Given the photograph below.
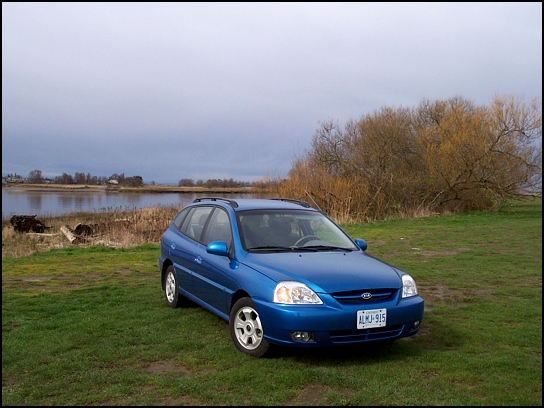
(292, 200)
(231, 202)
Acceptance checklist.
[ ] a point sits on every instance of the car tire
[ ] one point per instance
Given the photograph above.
(246, 329)
(171, 293)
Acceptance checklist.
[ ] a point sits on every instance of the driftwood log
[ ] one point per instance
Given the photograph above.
(78, 234)
(27, 223)
(68, 234)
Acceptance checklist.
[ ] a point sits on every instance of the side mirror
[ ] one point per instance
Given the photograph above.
(218, 248)
(361, 243)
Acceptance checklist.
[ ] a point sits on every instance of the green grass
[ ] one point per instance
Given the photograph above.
(89, 326)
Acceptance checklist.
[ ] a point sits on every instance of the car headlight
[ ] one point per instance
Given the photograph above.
(295, 293)
(409, 287)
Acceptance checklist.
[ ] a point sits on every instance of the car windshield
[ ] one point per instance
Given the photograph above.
(288, 230)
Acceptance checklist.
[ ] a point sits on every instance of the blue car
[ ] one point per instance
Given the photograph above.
(283, 273)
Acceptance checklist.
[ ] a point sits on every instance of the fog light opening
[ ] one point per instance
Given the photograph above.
(415, 325)
(303, 337)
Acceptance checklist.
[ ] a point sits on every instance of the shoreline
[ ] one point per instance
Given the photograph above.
(142, 189)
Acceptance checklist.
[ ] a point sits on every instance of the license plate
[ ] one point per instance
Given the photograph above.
(367, 319)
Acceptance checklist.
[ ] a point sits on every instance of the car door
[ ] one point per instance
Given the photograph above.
(212, 279)
(183, 248)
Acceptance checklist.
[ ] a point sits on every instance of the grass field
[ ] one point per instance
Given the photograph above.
(89, 326)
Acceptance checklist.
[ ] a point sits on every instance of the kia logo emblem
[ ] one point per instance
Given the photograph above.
(366, 295)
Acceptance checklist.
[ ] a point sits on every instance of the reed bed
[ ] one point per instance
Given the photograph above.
(115, 227)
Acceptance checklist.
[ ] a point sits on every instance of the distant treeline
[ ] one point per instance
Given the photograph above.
(36, 177)
(213, 183)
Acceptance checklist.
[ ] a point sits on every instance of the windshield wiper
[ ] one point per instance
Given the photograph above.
(326, 248)
(304, 248)
(270, 248)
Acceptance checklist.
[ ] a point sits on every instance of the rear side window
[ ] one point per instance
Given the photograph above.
(180, 217)
(195, 222)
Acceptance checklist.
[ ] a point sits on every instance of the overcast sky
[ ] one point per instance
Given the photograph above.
(168, 91)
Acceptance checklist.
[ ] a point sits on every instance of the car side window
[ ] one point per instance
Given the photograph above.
(194, 223)
(186, 220)
(218, 228)
(180, 217)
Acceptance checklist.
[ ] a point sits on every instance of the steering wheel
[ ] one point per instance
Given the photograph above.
(305, 239)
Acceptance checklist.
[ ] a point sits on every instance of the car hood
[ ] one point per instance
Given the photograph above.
(326, 271)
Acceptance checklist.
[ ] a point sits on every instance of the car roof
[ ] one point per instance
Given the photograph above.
(244, 204)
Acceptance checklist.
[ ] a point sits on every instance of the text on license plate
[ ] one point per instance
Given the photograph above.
(367, 319)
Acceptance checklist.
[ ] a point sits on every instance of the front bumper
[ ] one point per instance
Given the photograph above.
(331, 326)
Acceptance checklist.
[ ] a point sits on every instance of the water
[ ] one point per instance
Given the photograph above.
(55, 203)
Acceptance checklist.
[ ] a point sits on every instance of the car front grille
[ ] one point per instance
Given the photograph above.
(356, 296)
(353, 336)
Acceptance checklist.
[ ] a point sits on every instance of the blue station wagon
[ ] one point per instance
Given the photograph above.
(283, 273)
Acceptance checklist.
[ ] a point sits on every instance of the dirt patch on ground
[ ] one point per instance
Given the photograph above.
(311, 395)
(315, 394)
(454, 297)
(165, 367)
(48, 283)
(453, 252)
(181, 401)
(427, 253)
(169, 366)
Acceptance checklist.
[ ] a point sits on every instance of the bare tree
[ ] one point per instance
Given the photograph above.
(35, 177)
(476, 154)
(79, 178)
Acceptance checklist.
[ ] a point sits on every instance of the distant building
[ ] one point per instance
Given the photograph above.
(12, 180)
